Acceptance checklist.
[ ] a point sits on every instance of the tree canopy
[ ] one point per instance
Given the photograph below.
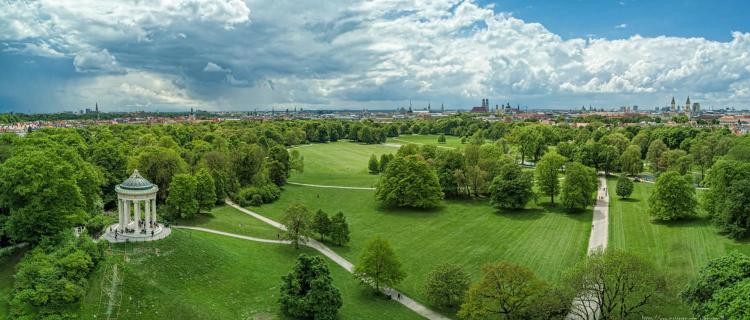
(409, 182)
(673, 198)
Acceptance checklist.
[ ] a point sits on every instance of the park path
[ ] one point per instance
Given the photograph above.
(326, 186)
(585, 308)
(600, 222)
(234, 235)
(348, 266)
(417, 143)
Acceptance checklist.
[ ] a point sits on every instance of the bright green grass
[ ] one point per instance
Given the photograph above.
(470, 233)
(229, 219)
(7, 270)
(339, 163)
(204, 276)
(450, 141)
(680, 248)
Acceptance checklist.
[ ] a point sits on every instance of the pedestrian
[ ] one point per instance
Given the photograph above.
(399, 295)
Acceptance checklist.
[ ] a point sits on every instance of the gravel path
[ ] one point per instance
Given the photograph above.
(233, 235)
(348, 266)
(325, 186)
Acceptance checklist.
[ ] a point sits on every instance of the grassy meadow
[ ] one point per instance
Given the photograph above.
(196, 275)
(339, 163)
(450, 141)
(682, 248)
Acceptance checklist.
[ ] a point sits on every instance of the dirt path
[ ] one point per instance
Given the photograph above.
(325, 186)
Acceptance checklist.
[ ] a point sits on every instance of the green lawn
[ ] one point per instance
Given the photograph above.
(450, 141)
(7, 271)
(470, 233)
(229, 219)
(197, 275)
(680, 248)
(339, 163)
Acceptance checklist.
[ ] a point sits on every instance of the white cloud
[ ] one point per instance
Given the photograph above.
(96, 61)
(212, 67)
(374, 52)
(621, 26)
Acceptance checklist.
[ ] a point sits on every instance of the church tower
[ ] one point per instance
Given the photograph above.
(687, 105)
(674, 105)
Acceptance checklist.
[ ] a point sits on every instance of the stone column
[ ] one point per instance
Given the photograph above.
(120, 214)
(127, 211)
(153, 209)
(137, 215)
(147, 213)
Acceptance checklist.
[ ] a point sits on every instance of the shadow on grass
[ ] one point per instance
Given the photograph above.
(411, 212)
(630, 200)
(690, 222)
(521, 214)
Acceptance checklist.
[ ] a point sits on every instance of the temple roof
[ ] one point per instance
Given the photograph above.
(136, 182)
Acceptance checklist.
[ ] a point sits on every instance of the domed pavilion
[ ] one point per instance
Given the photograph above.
(136, 208)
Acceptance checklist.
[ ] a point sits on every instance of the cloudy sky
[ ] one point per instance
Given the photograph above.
(241, 55)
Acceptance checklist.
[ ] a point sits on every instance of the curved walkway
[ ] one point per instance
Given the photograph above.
(233, 235)
(348, 266)
(325, 186)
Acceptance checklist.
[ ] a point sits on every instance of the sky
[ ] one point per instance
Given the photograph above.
(172, 55)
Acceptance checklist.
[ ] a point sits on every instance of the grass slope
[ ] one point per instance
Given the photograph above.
(229, 219)
(339, 163)
(681, 248)
(470, 233)
(450, 141)
(204, 276)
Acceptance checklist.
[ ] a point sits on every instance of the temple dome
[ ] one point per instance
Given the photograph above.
(136, 182)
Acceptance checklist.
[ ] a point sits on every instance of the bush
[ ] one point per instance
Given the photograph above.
(255, 196)
(97, 223)
(624, 187)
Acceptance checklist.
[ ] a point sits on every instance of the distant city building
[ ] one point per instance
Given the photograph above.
(484, 108)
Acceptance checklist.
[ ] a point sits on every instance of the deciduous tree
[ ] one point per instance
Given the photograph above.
(297, 221)
(512, 187)
(378, 265)
(182, 200)
(579, 185)
(409, 182)
(673, 197)
(547, 170)
(624, 187)
(446, 285)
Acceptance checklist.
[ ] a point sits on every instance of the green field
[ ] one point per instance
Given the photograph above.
(339, 163)
(229, 219)
(450, 141)
(197, 275)
(680, 248)
(7, 270)
(470, 233)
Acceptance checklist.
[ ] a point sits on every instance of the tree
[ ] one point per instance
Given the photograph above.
(409, 182)
(384, 160)
(297, 221)
(727, 200)
(378, 264)
(512, 187)
(182, 199)
(547, 170)
(441, 139)
(159, 165)
(673, 198)
(624, 187)
(630, 160)
(339, 229)
(321, 223)
(446, 285)
(373, 165)
(609, 156)
(278, 165)
(614, 283)
(580, 183)
(720, 287)
(655, 149)
(308, 292)
(205, 190)
(248, 161)
(506, 290)
(39, 189)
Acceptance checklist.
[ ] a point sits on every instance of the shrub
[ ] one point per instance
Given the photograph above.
(255, 196)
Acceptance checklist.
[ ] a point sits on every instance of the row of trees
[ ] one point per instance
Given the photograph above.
(301, 223)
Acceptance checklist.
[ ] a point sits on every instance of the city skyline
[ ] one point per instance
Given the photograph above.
(240, 55)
